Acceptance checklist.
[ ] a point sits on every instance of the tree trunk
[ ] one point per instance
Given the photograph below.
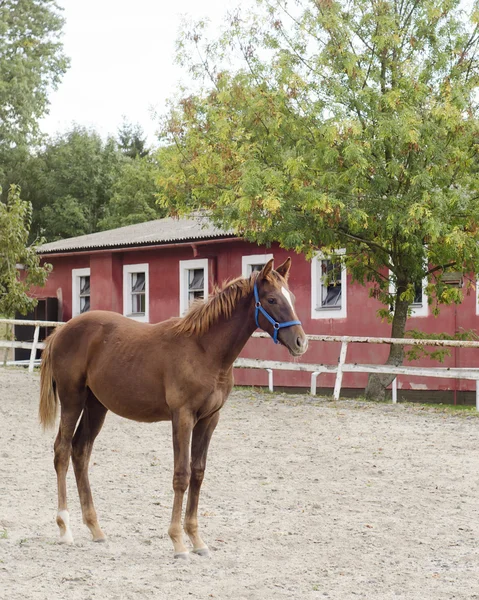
(377, 384)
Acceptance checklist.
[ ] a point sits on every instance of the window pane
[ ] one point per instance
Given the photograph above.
(85, 285)
(138, 303)
(332, 297)
(196, 281)
(137, 282)
(256, 268)
(331, 284)
(195, 295)
(84, 304)
(418, 294)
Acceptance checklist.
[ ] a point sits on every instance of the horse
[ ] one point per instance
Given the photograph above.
(178, 370)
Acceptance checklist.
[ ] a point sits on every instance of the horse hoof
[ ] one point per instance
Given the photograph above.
(66, 540)
(202, 552)
(182, 555)
(100, 540)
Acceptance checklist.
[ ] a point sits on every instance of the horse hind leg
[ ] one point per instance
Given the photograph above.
(89, 427)
(71, 407)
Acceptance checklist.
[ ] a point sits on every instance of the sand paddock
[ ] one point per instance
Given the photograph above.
(302, 499)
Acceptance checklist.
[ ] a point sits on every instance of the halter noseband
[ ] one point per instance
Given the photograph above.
(277, 326)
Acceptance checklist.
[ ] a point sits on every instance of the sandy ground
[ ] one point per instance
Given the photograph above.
(302, 499)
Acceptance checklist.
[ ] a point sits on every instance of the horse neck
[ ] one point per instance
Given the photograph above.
(226, 338)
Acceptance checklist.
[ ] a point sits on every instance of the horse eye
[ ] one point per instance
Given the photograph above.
(271, 301)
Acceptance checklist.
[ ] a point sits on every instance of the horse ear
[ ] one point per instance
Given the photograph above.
(266, 270)
(283, 269)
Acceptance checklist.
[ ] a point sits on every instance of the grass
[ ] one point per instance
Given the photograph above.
(280, 396)
(4, 535)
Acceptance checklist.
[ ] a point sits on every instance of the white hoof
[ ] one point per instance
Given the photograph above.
(63, 522)
(67, 538)
(182, 555)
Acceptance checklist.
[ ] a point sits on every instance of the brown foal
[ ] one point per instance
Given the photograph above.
(179, 370)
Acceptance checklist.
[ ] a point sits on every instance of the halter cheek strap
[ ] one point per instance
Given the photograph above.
(277, 326)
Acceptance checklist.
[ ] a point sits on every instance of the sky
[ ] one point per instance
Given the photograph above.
(122, 61)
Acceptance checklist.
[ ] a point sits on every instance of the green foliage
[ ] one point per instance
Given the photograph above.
(437, 353)
(15, 221)
(132, 141)
(31, 62)
(351, 125)
(69, 183)
(134, 193)
(78, 184)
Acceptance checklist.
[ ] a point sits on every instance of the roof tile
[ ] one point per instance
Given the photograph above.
(152, 232)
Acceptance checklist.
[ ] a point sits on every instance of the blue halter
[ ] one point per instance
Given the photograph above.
(277, 326)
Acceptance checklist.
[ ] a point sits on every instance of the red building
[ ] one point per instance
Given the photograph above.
(152, 270)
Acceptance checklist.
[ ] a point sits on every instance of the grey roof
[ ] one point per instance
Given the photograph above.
(160, 231)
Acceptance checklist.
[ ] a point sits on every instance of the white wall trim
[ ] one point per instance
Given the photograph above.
(253, 259)
(185, 266)
(316, 284)
(76, 274)
(127, 307)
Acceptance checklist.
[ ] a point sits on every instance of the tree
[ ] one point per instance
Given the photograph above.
(134, 194)
(15, 221)
(351, 125)
(132, 141)
(69, 182)
(31, 62)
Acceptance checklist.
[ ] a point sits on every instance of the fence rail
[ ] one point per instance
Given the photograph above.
(33, 346)
(315, 369)
(343, 367)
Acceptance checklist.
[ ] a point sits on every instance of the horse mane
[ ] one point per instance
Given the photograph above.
(203, 314)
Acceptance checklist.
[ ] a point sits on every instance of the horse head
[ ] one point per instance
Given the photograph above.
(274, 308)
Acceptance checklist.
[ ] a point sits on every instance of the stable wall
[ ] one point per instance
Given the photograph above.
(225, 260)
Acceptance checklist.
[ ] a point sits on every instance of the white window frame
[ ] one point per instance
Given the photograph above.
(188, 265)
(416, 310)
(128, 270)
(253, 259)
(76, 275)
(317, 285)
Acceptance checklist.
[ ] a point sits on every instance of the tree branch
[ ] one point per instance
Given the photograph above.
(439, 267)
(368, 243)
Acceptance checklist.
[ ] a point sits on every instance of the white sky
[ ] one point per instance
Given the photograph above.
(122, 60)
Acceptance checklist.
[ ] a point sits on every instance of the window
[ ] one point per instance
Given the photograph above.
(252, 263)
(136, 292)
(80, 291)
(193, 282)
(419, 307)
(328, 288)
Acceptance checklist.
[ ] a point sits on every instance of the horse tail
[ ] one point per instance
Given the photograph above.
(48, 397)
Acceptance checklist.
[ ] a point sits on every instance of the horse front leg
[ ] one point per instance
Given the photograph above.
(201, 439)
(183, 423)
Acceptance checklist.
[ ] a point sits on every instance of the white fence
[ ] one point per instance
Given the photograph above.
(315, 369)
(343, 367)
(33, 346)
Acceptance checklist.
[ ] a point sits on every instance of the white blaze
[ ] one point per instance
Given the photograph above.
(287, 295)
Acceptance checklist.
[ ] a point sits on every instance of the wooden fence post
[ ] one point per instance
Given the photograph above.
(33, 353)
(339, 374)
